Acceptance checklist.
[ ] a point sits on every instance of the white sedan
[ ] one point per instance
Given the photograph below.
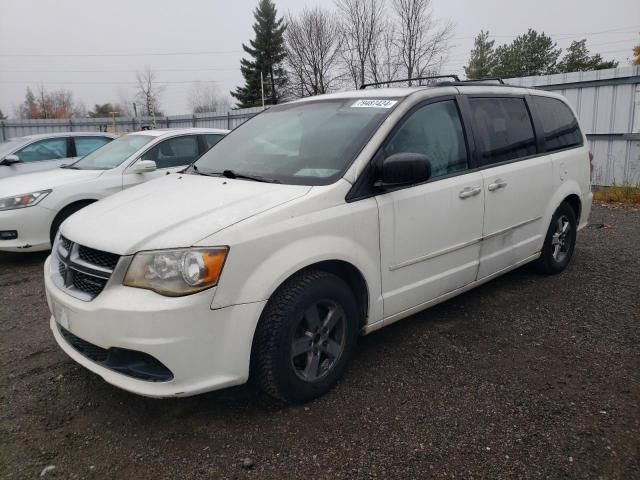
(33, 206)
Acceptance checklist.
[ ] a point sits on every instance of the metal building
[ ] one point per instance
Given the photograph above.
(608, 106)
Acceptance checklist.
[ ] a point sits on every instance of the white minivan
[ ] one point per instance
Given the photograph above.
(312, 223)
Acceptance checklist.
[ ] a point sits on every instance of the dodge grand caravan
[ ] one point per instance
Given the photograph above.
(314, 222)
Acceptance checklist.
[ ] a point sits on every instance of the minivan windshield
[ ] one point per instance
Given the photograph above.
(113, 153)
(306, 143)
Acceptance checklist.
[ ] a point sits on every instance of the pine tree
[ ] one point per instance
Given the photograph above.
(531, 53)
(482, 59)
(577, 59)
(268, 52)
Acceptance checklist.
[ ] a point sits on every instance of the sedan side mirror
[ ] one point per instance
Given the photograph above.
(404, 169)
(143, 166)
(10, 160)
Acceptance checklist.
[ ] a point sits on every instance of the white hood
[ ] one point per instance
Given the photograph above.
(173, 212)
(45, 180)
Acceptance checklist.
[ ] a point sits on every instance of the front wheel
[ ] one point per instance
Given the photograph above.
(306, 336)
(560, 241)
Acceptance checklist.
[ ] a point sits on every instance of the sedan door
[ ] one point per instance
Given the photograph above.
(517, 182)
(430, 233)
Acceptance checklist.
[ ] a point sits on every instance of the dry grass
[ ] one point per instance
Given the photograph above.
(618, 193)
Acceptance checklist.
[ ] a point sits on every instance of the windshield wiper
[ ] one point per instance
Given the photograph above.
(244, 176)
(71, 167)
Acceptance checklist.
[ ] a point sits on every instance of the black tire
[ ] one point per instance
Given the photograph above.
(287, 318)
(556, 256)
(65, 213)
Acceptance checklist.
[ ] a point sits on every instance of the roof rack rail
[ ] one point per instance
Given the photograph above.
(482, 81)
(433, 77)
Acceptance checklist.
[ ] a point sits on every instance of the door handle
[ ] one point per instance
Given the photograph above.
(496, 185)
(469, 192)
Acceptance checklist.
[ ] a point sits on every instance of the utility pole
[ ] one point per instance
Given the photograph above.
(262, 88)
(113, 119)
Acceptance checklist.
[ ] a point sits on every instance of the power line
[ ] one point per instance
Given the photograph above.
(179, 82)
(211, 52)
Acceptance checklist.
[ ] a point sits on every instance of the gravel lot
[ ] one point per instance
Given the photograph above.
(525, 377)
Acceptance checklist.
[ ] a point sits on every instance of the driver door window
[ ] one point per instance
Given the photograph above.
(434, 130)
(51, 149)
(174, 152)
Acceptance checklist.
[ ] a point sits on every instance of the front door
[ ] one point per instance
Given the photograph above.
(430, 233)
(170, 155)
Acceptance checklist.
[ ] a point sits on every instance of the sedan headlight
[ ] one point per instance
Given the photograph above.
(23, 200)
(175, 273)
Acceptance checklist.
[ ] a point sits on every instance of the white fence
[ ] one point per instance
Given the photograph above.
(229, 120)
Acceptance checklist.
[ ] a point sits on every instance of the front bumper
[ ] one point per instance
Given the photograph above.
(204, 349)
(33, 225)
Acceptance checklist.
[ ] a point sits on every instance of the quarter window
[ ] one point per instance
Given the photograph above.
(51, 149)
(559, 126)
(86, 145)
(503, 129)
(174, 152)
(434, 130)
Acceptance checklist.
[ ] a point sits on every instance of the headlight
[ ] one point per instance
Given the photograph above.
(24, 200)
(175, 273)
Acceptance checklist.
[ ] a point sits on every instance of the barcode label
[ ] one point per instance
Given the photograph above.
(371, 103)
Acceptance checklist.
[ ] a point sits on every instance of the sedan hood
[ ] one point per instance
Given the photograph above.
(45, 180)
(173, 212)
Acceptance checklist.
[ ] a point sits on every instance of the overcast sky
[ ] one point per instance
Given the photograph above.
(94, 48)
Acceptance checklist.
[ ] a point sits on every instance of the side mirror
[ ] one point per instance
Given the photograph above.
(404, 169)
(143, 166)
(10, 160)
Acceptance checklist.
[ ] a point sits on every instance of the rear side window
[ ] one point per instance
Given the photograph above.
(211, 139)
(559, 126)
(503, 129)
(86, 145)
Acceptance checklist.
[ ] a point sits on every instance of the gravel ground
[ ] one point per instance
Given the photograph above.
(524, 377)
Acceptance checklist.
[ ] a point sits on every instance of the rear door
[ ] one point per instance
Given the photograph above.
(430, 232)
(517, 181)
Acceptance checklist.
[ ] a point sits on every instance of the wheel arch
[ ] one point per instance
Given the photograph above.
(576, 204)
(70, 207)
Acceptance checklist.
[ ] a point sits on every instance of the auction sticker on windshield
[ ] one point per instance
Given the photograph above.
(371, 103)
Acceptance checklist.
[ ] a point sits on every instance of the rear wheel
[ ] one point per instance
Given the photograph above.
(560, 241)
(305, 337)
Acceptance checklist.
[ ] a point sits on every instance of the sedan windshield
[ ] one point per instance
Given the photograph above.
(113, 153)
(10, 145)
(307, 143)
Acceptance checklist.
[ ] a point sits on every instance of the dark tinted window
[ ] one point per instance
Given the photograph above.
(559, 126)
(434, 130)
(502, 129)
(174, 152)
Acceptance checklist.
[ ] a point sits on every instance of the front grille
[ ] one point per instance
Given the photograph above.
(81, 271)
(97, 257)
(131, 363)
(88, 284)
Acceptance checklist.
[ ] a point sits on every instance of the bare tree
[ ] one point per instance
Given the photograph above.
(312, 51)
(204, 97)
(422, 43)
(384, 62)
(360, 29)
(148, 92)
